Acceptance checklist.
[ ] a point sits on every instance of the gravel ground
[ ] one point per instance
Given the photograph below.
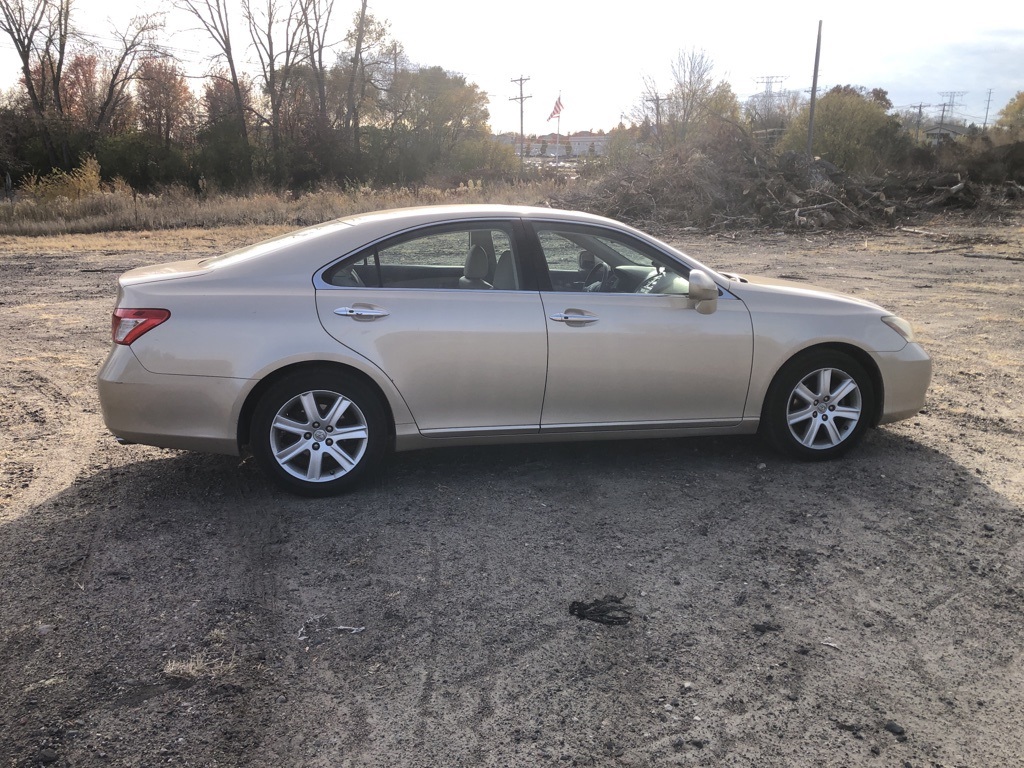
(169, 608)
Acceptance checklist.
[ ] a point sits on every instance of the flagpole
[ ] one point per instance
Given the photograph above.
(558, 137)
(557, 112)
(558, 132)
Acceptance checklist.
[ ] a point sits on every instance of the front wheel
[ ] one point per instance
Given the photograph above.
(818, 406)
(317, 433)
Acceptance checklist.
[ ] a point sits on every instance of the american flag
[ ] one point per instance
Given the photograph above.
(557, 110)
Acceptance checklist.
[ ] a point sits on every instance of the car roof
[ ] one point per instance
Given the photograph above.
(426, 214)
(335, 238)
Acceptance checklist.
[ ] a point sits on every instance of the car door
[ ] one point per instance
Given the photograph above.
(627, 347)
(442, 313)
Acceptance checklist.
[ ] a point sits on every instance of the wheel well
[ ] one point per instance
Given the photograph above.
(858, 354)
(245, 416)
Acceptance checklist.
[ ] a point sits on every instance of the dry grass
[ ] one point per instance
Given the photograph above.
(199, 666)
(190, 240)
(217, 636)
(118, 208)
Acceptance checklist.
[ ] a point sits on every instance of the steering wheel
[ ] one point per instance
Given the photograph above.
(599, 275)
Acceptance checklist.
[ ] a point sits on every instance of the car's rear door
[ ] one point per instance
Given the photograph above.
(443, 313)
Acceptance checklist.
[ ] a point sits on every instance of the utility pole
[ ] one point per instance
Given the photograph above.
(987, 105)
(522, 135)
(656, 99)
(920, 113)
(814, 94)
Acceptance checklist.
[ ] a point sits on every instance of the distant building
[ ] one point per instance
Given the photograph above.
(582, 144)
(769, 136)
(586, 144)
(944, 133)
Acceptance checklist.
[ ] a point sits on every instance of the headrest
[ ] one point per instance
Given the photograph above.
(505, 273)
(476, 264)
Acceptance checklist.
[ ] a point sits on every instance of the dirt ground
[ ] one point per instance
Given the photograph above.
(169, 608)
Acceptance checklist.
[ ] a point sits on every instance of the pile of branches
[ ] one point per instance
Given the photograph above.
(805, 193)
(732, 183)
(702, 183)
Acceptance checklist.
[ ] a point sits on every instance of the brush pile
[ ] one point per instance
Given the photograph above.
(734, 184)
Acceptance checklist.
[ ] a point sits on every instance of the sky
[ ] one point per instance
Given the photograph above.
(598, 54)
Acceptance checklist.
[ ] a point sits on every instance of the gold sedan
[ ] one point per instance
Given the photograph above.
(321, 350)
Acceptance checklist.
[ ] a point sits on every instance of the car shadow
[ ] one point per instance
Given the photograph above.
(189, 578)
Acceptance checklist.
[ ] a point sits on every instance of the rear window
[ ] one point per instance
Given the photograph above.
(249, 252)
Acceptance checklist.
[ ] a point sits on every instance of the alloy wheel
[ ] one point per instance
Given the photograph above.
(824, 408)
(318, 436)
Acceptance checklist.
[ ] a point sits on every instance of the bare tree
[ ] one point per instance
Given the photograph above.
(356, 37)
(53, 53)
(694, 85)
(651, 110)
(369, 70)
(40, 31)
(696, 101)
(316, 17)
(693, 101)
(275, 36)
(393, 106)
(773, 110)
(213, 16)
(137, 41)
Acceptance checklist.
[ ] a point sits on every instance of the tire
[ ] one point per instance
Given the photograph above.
(319, 432)
(818, 406)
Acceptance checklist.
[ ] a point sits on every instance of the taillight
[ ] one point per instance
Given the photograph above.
(127, 325)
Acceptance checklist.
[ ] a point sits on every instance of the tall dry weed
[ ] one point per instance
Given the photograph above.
(91, 207)
(82, 182)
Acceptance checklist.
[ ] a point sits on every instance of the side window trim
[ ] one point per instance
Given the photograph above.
(376, 264)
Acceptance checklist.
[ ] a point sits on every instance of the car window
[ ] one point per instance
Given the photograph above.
(464, 257)
(581, 258)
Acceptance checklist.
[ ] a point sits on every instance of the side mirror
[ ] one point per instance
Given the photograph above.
(703, 292)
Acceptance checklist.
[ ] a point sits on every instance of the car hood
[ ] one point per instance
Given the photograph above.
(739, 284)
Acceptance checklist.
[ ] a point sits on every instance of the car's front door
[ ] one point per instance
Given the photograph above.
(441, 312)
(623, 354)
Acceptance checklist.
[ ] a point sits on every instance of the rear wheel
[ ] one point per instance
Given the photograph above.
(319, 432)
(818, 406)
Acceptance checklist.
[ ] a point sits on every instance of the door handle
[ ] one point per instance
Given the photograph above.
(361, 313)
(564, 317)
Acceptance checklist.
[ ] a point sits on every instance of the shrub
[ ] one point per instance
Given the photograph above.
(852, 131)
(79, 183)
